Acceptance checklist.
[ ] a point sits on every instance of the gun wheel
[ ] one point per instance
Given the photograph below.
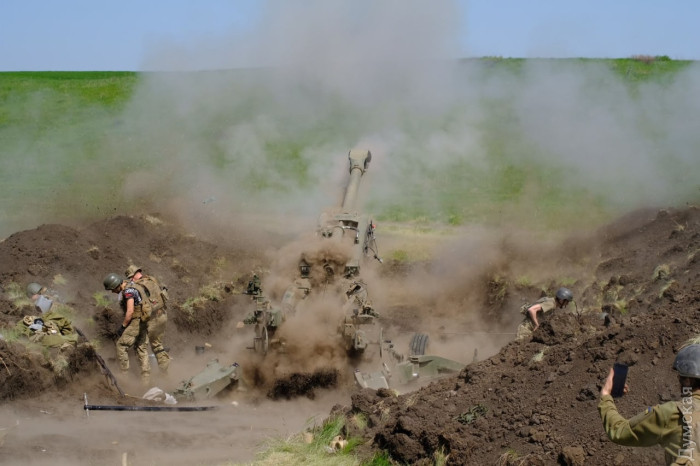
(262, 341)
(419, 341)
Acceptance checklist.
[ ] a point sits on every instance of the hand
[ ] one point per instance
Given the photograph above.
(120, 331)
(608, 384)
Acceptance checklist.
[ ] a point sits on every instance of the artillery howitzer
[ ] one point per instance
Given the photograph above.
(350, 236)
(353, 233)
(356, 230)
(346, 224)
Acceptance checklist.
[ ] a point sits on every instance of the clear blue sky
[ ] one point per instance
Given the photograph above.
(95, 35)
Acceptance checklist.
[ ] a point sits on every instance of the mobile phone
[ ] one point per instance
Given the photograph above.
(619, 379)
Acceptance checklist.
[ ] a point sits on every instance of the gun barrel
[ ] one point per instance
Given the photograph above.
(359, 163)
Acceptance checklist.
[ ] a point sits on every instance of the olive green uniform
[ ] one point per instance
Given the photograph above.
(657, 425)
(527, 325)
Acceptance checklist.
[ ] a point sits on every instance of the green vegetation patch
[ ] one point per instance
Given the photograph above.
(319, 446)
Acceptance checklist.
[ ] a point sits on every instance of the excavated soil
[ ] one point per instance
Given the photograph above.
(637, 287)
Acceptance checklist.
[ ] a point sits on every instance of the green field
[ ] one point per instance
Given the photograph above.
(541, 143)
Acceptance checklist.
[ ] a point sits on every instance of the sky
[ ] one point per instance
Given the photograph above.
(81, 35)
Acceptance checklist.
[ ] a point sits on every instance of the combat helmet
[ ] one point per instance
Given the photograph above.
(32, 289)
(112, 281)
(687, 362)
(131, 271)
(565, 294)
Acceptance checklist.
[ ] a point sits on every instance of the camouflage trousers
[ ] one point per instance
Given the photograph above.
(156, 330)
(525, 329)
(135, 335)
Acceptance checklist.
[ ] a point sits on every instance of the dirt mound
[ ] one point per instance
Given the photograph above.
(535, 401)
(204, 282)
(26, 374)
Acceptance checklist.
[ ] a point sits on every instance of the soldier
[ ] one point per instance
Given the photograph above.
(38, 295)
(133, 331)
(674, 425)
(544, 305)
(157, 296)
(253, 288)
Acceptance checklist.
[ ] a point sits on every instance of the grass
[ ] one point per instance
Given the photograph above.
(313, 447)
(17, 294)
(512, 458)
(210, 292)
(11, 334)
(69, 146)
(567, 281)
(621, 305)
(399, 255)
(538, 356)
(360, 421)
(101, 299)
(523, 281)
(661, 272)
(381, 458)
(299, 450)
(218, 265)
(59, 279)
(440, 458)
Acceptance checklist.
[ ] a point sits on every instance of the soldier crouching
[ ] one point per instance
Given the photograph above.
(134, 330)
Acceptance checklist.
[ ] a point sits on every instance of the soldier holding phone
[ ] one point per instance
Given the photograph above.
(674, 425)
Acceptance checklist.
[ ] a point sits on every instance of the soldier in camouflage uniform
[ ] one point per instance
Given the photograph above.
(133, 331)
(674, 425)
(543, 305)
(159, 317)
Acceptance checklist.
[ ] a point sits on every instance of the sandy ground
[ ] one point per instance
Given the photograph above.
(50, 431)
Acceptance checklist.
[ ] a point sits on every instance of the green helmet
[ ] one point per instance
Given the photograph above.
(687, 362)
(565, 294)
(112, 281)
(32, 289)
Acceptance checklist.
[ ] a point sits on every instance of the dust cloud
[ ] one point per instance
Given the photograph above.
(385, 78)
(257, 121)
